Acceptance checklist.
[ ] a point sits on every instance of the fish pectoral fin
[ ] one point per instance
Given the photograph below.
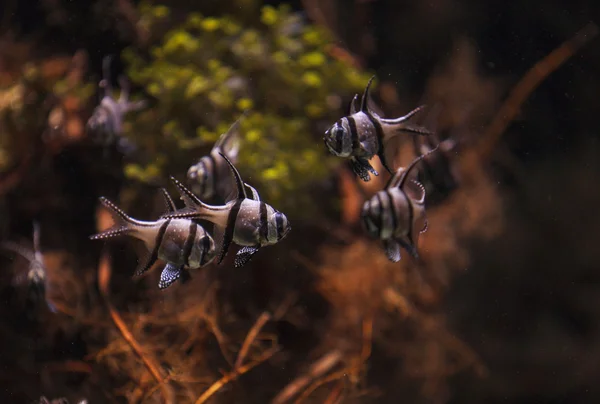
(169, 274)
(244, 255)
(392, 250)
(362, 167)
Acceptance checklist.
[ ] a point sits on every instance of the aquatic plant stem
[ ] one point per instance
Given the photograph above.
(104, 274)
(532, 79)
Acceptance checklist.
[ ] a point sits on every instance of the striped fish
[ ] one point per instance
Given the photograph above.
(182, 243)
(396, 215)
(35, 278)
(105, 126)
(363, 134)
(245, 220)
(209, 178)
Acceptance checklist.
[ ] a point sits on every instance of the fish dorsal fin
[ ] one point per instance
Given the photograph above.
(241, 190)
(417, 191)
(365, 99)
(190, 200)
(404, 174)
(36, 239)
(105, 81)
(352, 109)
(255, 195)
(169, 204)
(229, 142)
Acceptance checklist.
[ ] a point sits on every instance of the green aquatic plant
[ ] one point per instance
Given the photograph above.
(205, 71)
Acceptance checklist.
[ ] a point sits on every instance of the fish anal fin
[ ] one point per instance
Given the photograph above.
(244, 255)
(392, 250)
(169, 274)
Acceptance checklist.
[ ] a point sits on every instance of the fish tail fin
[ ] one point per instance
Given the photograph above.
(123, 223)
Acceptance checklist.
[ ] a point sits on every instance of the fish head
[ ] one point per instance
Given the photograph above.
(338, 138)
(282, 224)
(199, 176)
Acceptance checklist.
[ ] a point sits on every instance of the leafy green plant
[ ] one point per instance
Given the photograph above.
(207, 70)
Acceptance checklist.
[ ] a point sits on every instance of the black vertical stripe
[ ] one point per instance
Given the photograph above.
(205, 247)
(392, 211)
(379, 216)
(263, 223)
(339, 133)
(230, 229)
(189, 243)
(158, 241)
(380, 135)
(279, 226)
(353, 133)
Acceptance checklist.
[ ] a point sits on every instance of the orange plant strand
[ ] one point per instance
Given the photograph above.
(528, 84)
(252, 334)
(104, 274)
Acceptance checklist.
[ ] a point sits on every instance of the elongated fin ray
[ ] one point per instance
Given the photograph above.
(190, 200)
(425, 226)
(255, 195)
(169, 274)
(352, 106)
(244, 255)
(228, 142)
(169, 204)
(363, 104)
(420, 197)
(241, 190)
(412, 165)
(392, 250)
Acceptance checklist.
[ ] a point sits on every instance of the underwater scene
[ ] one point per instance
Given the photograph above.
(364, 201)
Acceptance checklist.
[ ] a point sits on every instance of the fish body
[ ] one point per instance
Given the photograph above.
(181, 243)
(363, 134)
(35, 277)
(210, 178)
(396, 214)
(247, 221)
(105, 126)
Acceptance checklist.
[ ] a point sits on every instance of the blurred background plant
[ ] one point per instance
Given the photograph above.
(205, 71)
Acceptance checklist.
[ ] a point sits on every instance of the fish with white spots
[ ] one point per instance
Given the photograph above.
(209, 178)
(181, 243)
(363, 134)
(247, 221)
(396, 214)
